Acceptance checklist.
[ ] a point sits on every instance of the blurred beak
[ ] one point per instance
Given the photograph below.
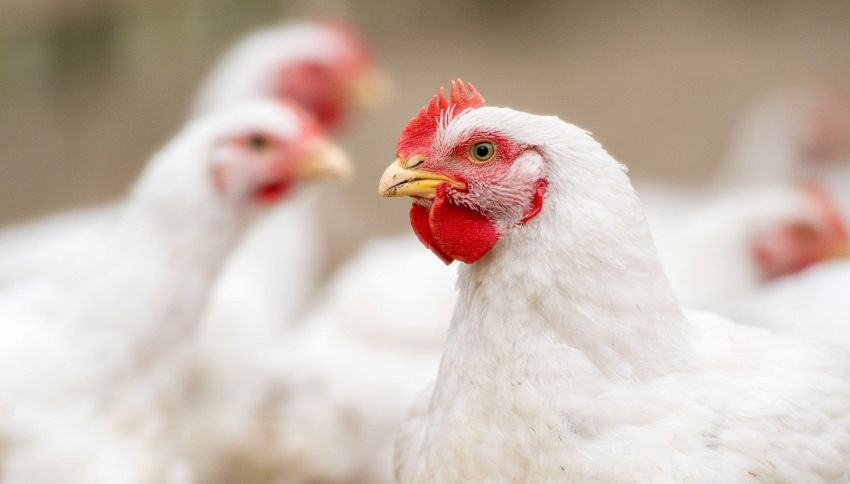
(326, 161)
(399, 181)
(841, 252)
(371, 88)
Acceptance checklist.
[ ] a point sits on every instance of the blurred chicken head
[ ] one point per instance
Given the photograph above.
(470, 184)
(325, 67)
(802, 240)
(340, 76)
(266, 154)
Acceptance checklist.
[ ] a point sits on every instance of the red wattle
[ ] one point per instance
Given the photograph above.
(420, 223)
(459, 232)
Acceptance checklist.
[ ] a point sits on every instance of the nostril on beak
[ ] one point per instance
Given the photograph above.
(413, 161)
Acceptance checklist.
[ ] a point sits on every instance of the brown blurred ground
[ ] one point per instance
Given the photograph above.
(88, 89)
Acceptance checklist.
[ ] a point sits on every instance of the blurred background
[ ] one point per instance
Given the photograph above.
(90, 88)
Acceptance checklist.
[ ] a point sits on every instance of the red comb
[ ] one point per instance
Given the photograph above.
(418, 132)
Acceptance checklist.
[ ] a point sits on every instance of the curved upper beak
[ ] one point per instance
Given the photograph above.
(370, 88)
(399, 181)
(326, 160)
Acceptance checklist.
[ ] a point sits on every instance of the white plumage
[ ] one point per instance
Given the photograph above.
(569, 359)
(812, 304)
(322, 402)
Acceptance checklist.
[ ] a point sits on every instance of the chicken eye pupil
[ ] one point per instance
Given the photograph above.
(482, 151)
(258, 142)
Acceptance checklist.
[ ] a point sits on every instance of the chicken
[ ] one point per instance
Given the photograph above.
(80, 349)
(323, 66)
(730, 247)
(773, 258)
(569, 358)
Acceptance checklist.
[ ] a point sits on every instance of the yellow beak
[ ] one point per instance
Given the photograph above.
(371, 88)
(399, 181)
(326, 161)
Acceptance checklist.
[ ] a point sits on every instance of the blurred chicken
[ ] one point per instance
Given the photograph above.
(80, 346)
(730, 247)
(266, 281)
(772, 257)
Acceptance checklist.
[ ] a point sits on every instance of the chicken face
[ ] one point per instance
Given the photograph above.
(329, 85)
(267, 158)
(817, 235)
(471, 183)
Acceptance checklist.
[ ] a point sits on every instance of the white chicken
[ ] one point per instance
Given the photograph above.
(569, 358)
(774, 258)
(79, 348)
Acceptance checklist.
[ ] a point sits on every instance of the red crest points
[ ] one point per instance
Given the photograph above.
(419, 130)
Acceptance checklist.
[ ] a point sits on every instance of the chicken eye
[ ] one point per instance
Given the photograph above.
(482, 151)
(258, 142)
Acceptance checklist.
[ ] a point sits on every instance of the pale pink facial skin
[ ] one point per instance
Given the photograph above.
(796, 244)
(322, 88)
